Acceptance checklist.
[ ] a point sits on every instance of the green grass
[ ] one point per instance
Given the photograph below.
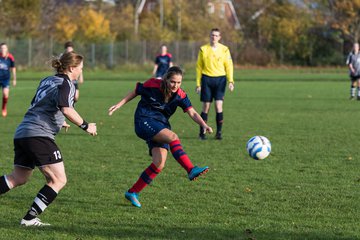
(308, 188)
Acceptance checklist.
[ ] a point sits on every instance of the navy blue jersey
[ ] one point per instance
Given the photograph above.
(163, 62)
(5, 64)
(153, 105)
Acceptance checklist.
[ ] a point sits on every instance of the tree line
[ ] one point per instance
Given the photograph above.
(272, 32)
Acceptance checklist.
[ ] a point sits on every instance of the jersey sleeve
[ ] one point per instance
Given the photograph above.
(348, 59)
(65, 95)
(199, 67)
(185, 103)
(229, 68)
(139, 88)
(12, 61)
(157, 61)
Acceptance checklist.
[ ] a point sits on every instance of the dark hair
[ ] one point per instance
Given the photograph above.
(215, 30)
(68, 44)
(66, 60)
(2, 44)
(165, 84)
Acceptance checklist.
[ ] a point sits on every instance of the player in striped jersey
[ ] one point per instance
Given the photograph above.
(34, 140)
(214, 67)
(353, 62)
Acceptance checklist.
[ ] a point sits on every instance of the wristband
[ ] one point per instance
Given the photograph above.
(84, 126)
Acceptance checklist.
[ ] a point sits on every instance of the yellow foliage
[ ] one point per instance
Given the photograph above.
(94, 26)
(65, 28)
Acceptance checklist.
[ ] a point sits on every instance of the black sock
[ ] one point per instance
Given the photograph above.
(3, 185)
(204, 116)
(219, 122)
(43, 199)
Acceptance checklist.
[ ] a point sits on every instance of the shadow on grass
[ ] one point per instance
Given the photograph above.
(140, 231)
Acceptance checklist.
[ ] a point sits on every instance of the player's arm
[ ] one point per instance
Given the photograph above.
(155, 69)
(229, 69)
(198, 119)
(13, 69)
(65, 104)
(199, 67)
(130, 96)
(74, 117)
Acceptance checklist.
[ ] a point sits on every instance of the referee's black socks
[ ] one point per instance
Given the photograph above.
(4, 187)
(43, 199)
(219, 122)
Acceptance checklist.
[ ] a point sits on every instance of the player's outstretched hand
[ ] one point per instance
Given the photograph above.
(112, 109)
(208, 129)
(198, 90)
(231, 87)
(66, 126)
(92, 129)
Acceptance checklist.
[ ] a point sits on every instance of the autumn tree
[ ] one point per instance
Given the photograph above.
(94, 26)
(20, 17)
(285, 25)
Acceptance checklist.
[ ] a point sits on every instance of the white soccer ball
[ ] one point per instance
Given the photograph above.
(258, 147)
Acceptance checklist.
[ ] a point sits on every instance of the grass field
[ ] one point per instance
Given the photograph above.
(308, 188)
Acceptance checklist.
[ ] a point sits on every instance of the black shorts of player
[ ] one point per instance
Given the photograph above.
(76, 84)
(354, 78)
(36, 151)
(212, 88)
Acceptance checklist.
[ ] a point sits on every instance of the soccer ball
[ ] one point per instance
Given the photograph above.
(258, 147)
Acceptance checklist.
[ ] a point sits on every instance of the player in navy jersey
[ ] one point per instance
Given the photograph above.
(159, 100)
(7, 64)
(162, 62)
(34, 140)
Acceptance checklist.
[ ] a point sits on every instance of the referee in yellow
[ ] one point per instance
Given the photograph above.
(214, 67)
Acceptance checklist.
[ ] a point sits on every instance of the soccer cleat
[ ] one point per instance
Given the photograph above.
(36, 222)
(197, 171)
(218, 136)
(202, 137)
(133, 198)
(4, 112)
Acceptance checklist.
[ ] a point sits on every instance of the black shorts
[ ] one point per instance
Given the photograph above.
(36, 151)
(354, 78)
(212, 88)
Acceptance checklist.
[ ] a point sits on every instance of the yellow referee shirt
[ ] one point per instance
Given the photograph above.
(214, 63)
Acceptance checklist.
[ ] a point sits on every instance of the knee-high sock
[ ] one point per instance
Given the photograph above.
(4, 102)
(4, 185)
(145, 178)
(204, 116)
(180, 156)
(43, 199)
(219, 122)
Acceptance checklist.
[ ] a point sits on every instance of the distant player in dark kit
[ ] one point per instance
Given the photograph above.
(69, 47)
(214, 67)
(162, 62)
(353, 62)
(7, 64)
(34, 140)
(159, 100)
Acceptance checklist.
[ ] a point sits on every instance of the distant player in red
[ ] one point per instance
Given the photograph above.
(7, 64)
(159, 100)
(162, 62)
